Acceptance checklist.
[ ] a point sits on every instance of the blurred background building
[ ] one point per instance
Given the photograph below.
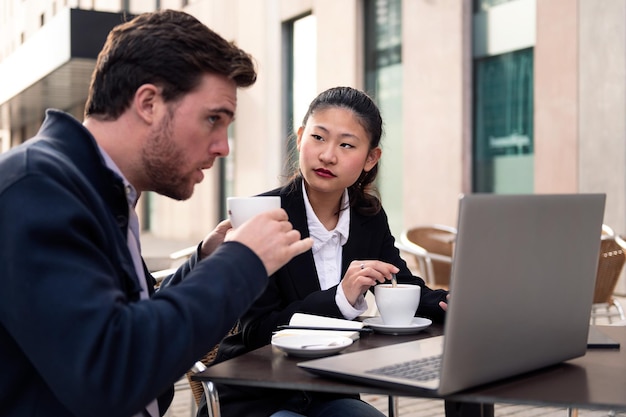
(496, 96)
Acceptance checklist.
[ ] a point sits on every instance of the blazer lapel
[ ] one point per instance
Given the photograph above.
(359, 241)
(301, 269)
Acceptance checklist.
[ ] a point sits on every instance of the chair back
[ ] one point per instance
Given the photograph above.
(607, 230)
(436, 241)
(610, 265)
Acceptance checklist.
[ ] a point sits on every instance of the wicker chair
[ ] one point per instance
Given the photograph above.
(610, 265)
(207, 388)
(432, 245)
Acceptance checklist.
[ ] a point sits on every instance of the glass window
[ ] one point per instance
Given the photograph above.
(304, 77)
(300, 40)
(383, 80)
(226, 169)
(147, 210)
(503, 123)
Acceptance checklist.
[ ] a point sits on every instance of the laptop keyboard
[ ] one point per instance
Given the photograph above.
(423, 369)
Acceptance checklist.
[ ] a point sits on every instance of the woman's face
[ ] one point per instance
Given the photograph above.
(334, 149)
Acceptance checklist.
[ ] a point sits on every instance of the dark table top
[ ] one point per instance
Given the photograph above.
(596, 380)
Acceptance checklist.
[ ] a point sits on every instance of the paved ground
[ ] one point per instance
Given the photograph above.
(409, 407)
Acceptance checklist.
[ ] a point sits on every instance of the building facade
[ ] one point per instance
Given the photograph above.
(498, 96)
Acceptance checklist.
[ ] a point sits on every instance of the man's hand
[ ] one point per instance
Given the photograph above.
(272, 237)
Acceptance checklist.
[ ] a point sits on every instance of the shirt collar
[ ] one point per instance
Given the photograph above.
(131, 194)
(317, 230)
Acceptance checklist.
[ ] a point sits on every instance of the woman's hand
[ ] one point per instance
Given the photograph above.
(361, 275)
(271, 236)
(215, 238)
(444, 304)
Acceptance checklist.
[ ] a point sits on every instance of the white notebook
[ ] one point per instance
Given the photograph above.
(312, 320)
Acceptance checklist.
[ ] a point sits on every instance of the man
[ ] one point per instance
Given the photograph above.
(81, 332)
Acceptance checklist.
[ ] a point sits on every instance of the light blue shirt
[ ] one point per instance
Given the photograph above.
(134, 246)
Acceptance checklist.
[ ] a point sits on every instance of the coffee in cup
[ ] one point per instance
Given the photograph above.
(397, 305)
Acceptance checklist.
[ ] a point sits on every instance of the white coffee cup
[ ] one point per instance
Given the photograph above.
(397, 305)
(241, 209)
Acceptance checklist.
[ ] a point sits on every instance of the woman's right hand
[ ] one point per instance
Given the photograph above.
(363, 274)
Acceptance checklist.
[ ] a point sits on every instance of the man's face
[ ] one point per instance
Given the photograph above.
(191, 134)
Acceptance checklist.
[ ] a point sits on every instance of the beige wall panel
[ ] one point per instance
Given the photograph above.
(436, 48)
(338, 57)
(171, 4)
(258, 146)
(138, 6)
(220, 16)
(602, 125)
(290, 9)
(603, 104)
(556, 95)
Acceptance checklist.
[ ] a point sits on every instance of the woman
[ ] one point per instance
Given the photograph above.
(331, 199)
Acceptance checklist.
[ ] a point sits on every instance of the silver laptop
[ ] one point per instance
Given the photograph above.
(522, 285)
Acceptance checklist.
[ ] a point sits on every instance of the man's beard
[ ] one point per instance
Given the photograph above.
(164, 163)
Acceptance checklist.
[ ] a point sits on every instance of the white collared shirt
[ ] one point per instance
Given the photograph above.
(327, 254)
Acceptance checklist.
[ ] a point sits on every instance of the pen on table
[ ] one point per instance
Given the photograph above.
(334, 329)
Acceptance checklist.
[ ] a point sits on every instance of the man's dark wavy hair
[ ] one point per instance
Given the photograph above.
(170, 49)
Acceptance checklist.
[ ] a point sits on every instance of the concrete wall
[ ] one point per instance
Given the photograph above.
(556, 97)
(602, 104)
(580, 102)
(437, 74)
(602, 121)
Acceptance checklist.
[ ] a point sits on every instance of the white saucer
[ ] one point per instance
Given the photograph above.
(377, 324)
(316, 346)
